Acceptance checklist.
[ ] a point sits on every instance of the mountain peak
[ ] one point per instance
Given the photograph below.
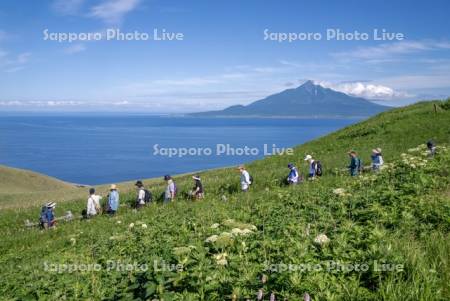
(308, 83)
(310, 87)
(308, 99)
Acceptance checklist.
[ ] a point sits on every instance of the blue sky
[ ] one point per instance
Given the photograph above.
(223, 58)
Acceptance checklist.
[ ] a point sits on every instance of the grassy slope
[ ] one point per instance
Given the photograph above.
(404, 127)
(407, 227)
(22, 188)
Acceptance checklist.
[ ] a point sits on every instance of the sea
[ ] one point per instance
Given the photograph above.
(99, 149)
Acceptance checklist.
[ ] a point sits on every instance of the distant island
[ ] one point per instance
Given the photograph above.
(306, 101)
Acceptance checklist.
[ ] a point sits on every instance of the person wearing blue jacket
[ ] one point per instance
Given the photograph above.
(355, 164)
(47, 218)
(293, 174)
(113, 200)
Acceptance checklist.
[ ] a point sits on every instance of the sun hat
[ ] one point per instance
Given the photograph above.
(308, 157)
(241, 167)
(51, 205)
(196, 177)
(378, 150)
(113, 187)
(139, 183)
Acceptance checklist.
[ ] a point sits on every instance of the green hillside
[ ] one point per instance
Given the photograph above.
(13, 180)
(388, 232)
(22, 188)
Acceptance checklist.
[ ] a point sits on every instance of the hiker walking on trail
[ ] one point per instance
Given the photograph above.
(171, 189)
(140, 198)
(377, 159)
(355, 166)
(246, 180)
(312, 171)
(47, 218)
(197, 191)
(293, 176)
(93, 203)
(113, 200)
(431, 146)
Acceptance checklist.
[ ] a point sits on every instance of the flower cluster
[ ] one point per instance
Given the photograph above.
(221, 258)
(321, 239)
(341, 192)
(413, 161)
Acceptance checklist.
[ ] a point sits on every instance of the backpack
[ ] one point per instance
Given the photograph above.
(359, 165)
(148, 196)
(175, 189)
(250, 178)
(43, 216)
(318, 167)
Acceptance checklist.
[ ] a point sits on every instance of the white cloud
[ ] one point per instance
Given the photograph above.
(121, 103)
(385, 51)
(113, 11)
(23, 58)
(39, 103)
(10, 63)
(194, 81)
(67, 7)
(14, 69)
(75, 48)
(365, 90)
(423, 81)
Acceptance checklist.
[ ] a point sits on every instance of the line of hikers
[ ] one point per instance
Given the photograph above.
(144, 196)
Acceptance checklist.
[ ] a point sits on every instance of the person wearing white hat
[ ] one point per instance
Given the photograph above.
(113, 200)
(377, 159)
(312, 167)
(47, 215)
(245, 178)
(197, 191)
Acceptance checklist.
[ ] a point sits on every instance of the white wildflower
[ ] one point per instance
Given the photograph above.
(131, 225)
(73, 241)
(212, 238)
(339, 191)
(118, 222)
(321, 239)
(246, 232)
(144, 226)
(221, 259)
(215, 226)
(236, 231)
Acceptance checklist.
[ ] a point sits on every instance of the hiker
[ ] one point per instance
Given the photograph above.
(245, 178)
(93, 203)
(355, 164)
(377, 159)
(312, 173)
(113, 200)
(197, 191)
(171, 189)
(431, 146)
(140, 199)
(293, 176)
(47, 218)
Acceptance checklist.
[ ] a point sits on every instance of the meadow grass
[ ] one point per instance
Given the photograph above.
(399, 217)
